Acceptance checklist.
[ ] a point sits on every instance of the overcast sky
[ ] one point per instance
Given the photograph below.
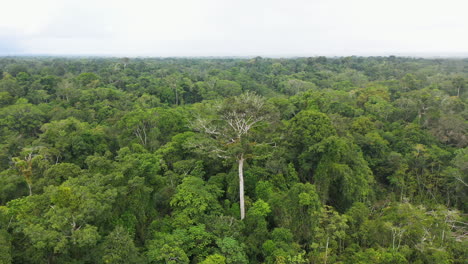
(234, 27)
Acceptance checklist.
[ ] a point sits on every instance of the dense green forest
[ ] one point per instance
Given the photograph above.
(259, 160)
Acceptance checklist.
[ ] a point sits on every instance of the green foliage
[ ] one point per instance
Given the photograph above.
(142, 160)
(214, 88)
(329, 235)
(259, 209)
(22, 117)
(342, 176)
(380, 256)
(194, 199)
(5, 247)
(214, 259)
(232, 250)
(118, 247)
(72, 141)
(296, 210)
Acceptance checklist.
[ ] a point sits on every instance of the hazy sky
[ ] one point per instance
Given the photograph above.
(234, 27)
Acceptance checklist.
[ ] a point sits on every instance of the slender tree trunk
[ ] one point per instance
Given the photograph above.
(326, 250)
(241, 186)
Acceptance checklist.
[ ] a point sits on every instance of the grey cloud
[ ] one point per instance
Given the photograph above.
(248, 27)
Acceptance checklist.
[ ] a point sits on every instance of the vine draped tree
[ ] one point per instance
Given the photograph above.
(230, 126)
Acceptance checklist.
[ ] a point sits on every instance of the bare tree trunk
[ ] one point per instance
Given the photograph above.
(241, 186)
(326, 250)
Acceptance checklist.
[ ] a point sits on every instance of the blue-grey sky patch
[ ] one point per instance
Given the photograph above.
(9, 46)
(234, 28)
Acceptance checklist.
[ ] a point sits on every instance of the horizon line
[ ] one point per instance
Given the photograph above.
(422, 55)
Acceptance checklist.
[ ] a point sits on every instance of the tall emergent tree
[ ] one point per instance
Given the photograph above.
(230, 127)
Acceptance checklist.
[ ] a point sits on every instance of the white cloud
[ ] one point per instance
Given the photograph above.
(217, 27)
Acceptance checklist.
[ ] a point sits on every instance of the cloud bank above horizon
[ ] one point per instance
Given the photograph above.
(234, 28)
